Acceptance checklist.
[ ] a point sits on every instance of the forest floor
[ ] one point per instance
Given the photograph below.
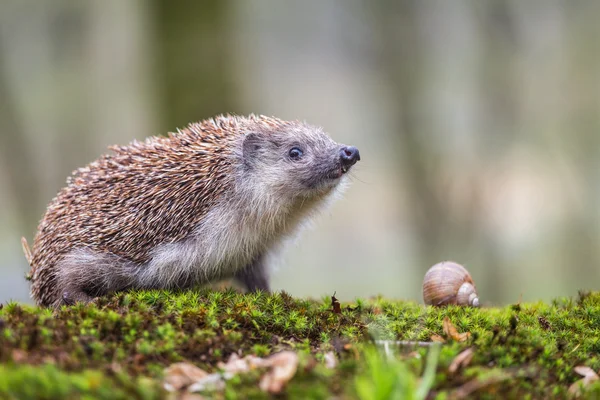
(223, 344)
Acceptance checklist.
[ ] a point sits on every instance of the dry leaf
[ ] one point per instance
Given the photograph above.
(352, 349)
(236, 365)
(589, 376)
(463, 337)
(19, 356)
(467, 389)
(209, 382)
(585, 371)
(189, 396)
(330, 360)
(115, 367)
(335, 305)
(180, 375)
(49, 359)
(437, 338)
(461, 360)
(283, 368)
(451, 332)
(449, 328)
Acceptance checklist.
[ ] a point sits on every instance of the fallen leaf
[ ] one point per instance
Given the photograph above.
(311, 363)
(585, 371)
(19, 356)
(348, 347)
(63, 358)
(476, 384)
(451, 332)
(461, 360)
(437, 338)
(589, 376)
(467, 389)
(138, 359)
(236, 365)
(330, 360)
(463, 337)
(209, 382)
(115, 367)
(449, 328)
(49, 359)
(339, 344)
(190, 396)
(180, 375)
(335, 305)
(283, 367)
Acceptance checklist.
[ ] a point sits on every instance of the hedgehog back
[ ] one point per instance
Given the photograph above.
(142, 195)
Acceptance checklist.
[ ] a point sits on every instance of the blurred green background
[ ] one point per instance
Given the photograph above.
(478, 124)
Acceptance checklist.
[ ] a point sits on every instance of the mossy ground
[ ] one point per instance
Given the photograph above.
(118, 347)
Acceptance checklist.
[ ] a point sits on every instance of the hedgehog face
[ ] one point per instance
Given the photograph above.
(298, 161)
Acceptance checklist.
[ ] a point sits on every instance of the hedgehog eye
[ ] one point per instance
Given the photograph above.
(295, 153)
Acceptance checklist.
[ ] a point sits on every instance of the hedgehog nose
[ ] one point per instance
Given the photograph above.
(349, 155)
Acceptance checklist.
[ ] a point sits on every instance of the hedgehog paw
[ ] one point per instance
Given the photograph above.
(70, 297)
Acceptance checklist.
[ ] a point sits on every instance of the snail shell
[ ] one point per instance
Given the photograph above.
(449, 283)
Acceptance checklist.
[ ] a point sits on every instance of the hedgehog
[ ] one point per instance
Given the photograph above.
(209, 202)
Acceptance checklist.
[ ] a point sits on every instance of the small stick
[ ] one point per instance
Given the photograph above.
(405, 343)
(26, 250)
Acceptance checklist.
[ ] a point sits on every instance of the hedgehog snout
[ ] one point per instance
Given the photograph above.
(349, 155)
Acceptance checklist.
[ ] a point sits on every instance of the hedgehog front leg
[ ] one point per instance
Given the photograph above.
(255, 276)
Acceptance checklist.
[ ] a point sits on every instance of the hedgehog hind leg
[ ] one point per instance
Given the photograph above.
(76, 273)
(70, 296)
(84, 274)
(255, 276)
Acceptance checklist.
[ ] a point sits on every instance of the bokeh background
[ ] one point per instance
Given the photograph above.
(478, 124)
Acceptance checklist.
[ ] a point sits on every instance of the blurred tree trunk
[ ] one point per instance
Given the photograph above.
(75, 79)
(192, 57)
(548, 94)
(15, 155)
(432, 62)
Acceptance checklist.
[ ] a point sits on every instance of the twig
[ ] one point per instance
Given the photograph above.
(404, 343)
(26, 250)
(479, 383)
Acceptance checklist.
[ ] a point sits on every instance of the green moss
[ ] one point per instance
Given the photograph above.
(25, 382)
(524, 350)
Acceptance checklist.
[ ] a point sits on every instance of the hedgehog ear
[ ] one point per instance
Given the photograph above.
(250, 147)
